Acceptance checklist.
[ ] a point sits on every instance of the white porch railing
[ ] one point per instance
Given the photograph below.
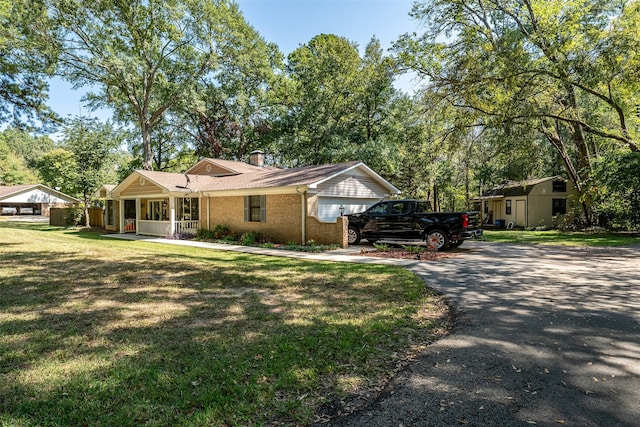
(153, 228)
(187, 227)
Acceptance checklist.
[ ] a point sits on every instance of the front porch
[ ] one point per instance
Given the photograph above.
(161, 217)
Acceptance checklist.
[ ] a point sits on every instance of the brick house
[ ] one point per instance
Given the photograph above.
(296, 204)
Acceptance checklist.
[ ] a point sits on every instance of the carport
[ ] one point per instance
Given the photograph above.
(32, 199)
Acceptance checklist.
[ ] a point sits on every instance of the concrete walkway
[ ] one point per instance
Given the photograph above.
(546, 335)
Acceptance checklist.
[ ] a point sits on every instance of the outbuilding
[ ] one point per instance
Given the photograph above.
(32, 199)
(529, 203)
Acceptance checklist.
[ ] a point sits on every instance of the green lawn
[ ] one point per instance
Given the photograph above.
(554, 237)
(97, 331)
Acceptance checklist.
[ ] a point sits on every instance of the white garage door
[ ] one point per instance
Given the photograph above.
(329, 208)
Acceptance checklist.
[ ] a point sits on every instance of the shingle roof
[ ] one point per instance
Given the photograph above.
(255, 177)
(517, 188)
(7, 190)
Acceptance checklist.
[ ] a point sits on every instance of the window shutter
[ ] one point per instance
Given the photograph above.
(246, 208)
(263, 208)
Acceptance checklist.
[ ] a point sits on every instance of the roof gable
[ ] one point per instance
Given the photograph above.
(219, 167)
(38, 193)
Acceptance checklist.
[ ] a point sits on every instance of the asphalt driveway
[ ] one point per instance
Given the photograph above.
(546, 336)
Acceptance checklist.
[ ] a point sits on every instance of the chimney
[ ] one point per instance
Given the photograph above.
(257, 158)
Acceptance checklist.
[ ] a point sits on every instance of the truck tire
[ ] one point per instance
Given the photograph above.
(353, 236)
(438, 239)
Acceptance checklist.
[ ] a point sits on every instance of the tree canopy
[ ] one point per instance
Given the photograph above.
(511, 91)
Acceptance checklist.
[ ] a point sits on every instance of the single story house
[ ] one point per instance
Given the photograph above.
(32, 199)
(528, 203)
(296, 204)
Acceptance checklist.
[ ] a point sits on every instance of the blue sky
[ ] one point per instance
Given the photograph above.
(291, 23)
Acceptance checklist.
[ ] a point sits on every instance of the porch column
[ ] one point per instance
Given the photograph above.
(121, 216)
(138, 213)
(172, 216)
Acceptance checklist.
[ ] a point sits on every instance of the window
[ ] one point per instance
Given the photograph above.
(158, 210)
(508, 206)
(188, 209)
(559, 207)
(379, 209)
(400, 208)
(255, 208)
(110, 211)
(559, 186)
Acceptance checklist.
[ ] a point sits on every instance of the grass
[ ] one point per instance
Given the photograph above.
(554, 237)
(97, 331)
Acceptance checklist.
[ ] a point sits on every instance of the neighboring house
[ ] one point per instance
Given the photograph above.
(32, 199)
(527, 203)
(297, 204)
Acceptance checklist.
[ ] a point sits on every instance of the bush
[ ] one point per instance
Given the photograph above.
(381, 247)
(74, 216)
(249, 238)
(413, 249)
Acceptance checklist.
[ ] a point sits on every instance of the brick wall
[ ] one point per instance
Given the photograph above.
(283, 220)
(327, 233)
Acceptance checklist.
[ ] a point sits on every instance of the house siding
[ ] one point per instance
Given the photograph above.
(213, 170)
(283, 216)
(283, 220)
(136, 189)
(540, 202)
(358, 186)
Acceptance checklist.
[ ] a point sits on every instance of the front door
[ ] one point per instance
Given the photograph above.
(521, 213)
(129, 216)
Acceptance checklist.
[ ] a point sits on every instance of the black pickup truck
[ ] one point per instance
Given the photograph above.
(407, 220)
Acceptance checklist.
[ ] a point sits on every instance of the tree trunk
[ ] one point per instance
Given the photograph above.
(147, 151)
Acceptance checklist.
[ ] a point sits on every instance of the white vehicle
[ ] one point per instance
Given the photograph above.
(8, 210)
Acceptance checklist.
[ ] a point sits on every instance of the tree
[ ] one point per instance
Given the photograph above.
(145, 57)
(559, 67)
(325, 72)
(13, 168)
(59, 170)
(239, 106)
(28, 147)
(84, 161)
(23, 67)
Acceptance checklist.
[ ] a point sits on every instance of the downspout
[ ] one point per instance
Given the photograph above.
(303, 194)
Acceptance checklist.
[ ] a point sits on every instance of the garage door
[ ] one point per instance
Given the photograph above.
(329, 208)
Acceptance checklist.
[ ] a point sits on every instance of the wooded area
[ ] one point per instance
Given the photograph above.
(511, 90)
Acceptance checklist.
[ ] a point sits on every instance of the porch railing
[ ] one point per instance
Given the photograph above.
(153, 228)
(187, 227)
(129, 225)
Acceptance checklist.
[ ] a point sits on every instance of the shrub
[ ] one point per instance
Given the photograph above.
(249, 238)
(74, 216)
(413, 249)
(381, 247)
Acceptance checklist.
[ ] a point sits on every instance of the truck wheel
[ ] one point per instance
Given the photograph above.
(438, 239)
(353, 236)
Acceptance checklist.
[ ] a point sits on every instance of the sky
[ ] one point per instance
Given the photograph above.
(290, 24)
